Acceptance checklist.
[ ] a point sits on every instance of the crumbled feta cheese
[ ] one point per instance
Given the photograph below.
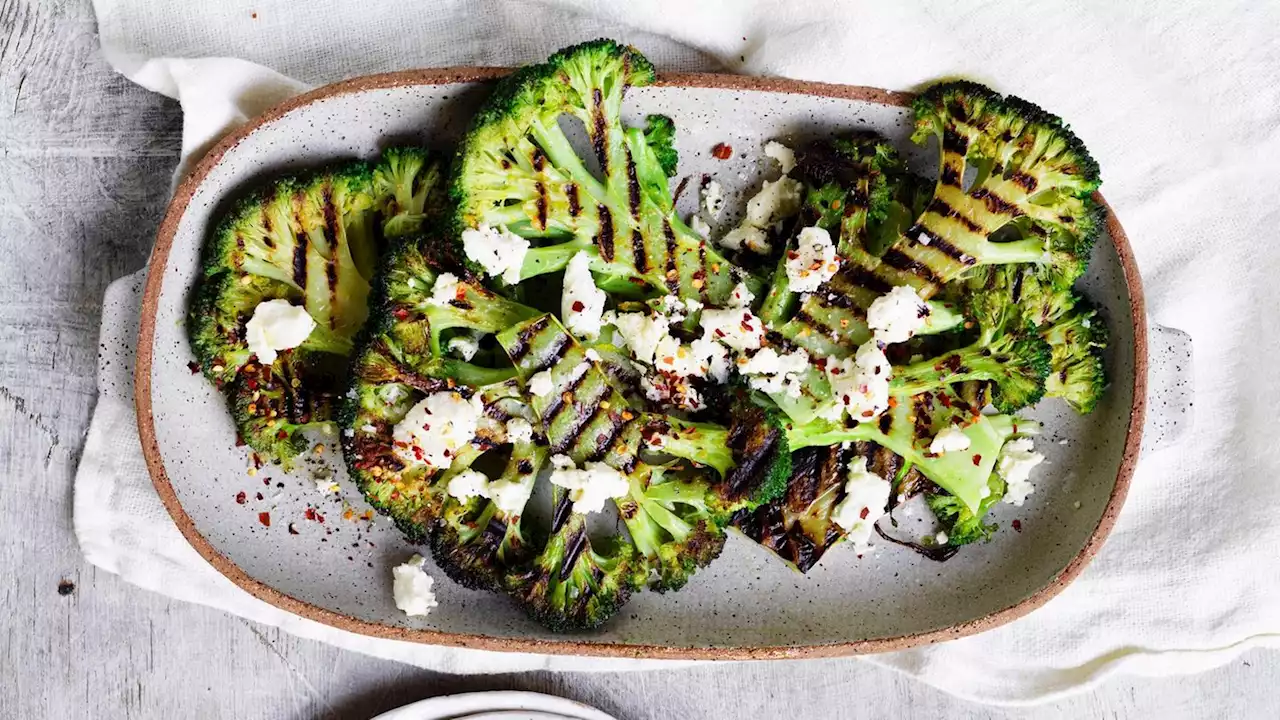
(468, 484)
(464, 346)
(445, 290)
(392, 393)
(1017, 460)
(785, 156)
(437, 427)
(691, 305)
(700, 226)
(739, 328)
(866, 496)
(712, 198)
(813, 262)
(714, 356)
(748, 236)
(277, 325)
(519, 431)
(741, 296)
(541, 384)
(860, 385)
(771, 372)
(591, 355)
(950, 439)
(641, 332)
(581, 303)
(897, 315)
(562, 462)
(327, 486)
(941, 538)
(777, 200)
(589, 488)
(497, 250)
(411, 587)
(924, 238)
(510, 496)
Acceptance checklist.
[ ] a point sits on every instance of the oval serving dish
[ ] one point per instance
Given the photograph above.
(746, 605)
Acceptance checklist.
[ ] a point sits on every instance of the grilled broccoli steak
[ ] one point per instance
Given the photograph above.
(311, 240)
(517, 169)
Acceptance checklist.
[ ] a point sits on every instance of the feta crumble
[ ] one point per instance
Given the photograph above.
(277, 325)
(860, 385)
(411, 587)
(739, 328)
(510, 496)
(519, 431)
(771, 372)
(813, 262)
(700, 226)
(897, 315)
(327, 486)
(581, 303)
(746, 236)
(541, 384)
(437, 427)
(1017, 460)
(866, 496)
(588, 488)
(497, 250)
(641, 332)
(783, 155)
(468, 484)
(464, 346)
(741, 296)
(712, 198)
(777, 200)
(951, 439)
(445, 291)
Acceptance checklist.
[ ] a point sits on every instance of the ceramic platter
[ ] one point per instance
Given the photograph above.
(748, 604)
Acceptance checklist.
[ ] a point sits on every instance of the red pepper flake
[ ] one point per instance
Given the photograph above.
(241, 498)
(251, 383)
(792, 254)
(283, 434)
(977, 459)
(1017, 525)
(721, 151)
(309, 514)
(578, 306)
(400, 313)
(865, 512)
(292, 530)
(946, 402)
(319, 518)
(239, 440)
(265, 518)
(258, 496)
(194, 367)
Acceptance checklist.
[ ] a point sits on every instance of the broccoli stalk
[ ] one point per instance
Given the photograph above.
(963, 525)
(1016, 362)
(517, 169)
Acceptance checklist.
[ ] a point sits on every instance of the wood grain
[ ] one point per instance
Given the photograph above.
(85, 160)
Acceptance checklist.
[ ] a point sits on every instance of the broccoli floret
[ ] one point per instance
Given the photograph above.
(517, 169)
(312, 240)
(1027, 163)
(1017, 361)
(1076, 372)
(660, 136)
(406, 182)
(962, 525)
(670, 522)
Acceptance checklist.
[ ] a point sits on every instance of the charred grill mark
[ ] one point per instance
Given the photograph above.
(525, 466)
(805, 318)
(840, 300)
(1024, 181)
(952, 251)
(461, 304)
(558, 404)
(599, 130)
(1016, 293)
(886, 422)
(524, 339)
(859, 199)
(606, 440)
(701, 272)
(266, 231)
(862, 277)
(941, 207)
(996, 205)
(920, 410)
(605, 239)
(541, 221)
(641, 256)
(684, 182)
(300, 261)
(538, 159)
(673, 274)
(954, 142)
(554, 353)
(573, 549)
(575, 205)
(494, 411)
(560, 516)
(949, 176)
(899, 260)
(633, 187)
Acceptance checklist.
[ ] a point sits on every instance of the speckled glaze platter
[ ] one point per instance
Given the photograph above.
(323, 558)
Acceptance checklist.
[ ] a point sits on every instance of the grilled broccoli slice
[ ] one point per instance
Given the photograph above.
(517, 169)
(406, 187)
(660, 136)
(797, 527)
(1076, 370)
(1017, 361)
(670, 522)
(1027, 162)
(314, 240)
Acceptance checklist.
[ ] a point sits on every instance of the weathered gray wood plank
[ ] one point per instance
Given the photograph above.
(85, 159)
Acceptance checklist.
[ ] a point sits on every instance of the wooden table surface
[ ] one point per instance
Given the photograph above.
(85, 162)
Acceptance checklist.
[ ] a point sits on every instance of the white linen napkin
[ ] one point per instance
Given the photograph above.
(1180, 105)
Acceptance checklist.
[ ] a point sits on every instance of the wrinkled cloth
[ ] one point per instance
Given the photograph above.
(1180, 104)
